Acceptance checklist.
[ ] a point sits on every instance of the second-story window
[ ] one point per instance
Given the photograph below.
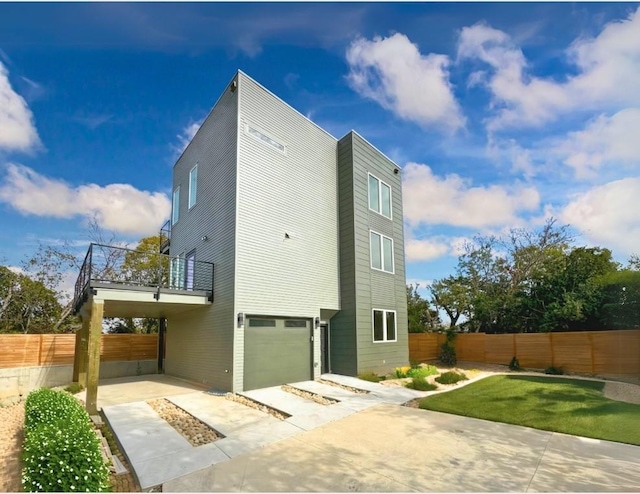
(175, 211)
(379, 196)
(193, 186)
(381, 252)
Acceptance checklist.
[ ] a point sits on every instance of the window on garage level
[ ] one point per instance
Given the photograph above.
(379, 196)
(381, 252)
(291, 323)
(262, 323)
(384, 325)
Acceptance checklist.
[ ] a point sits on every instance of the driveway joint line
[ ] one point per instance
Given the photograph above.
(546, 446)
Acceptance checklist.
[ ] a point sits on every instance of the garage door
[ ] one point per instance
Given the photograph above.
(276, 351)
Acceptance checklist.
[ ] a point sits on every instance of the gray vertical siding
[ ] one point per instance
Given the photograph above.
(342, 340)
(292, 193)
(200, 342)
(375, 289)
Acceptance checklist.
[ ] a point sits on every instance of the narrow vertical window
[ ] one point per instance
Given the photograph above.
(376, 252)
(385, 200)
(387, 257)
(175, 212)
(193, 186)
(374, 193)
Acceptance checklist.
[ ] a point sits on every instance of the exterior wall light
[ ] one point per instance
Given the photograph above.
(240, 319)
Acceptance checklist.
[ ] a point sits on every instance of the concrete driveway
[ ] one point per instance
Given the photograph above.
(389, 448)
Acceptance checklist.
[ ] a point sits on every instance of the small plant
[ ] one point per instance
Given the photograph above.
(402, 371)
(62, 452)
(422, 372)
(451, 377)
(414, 363)
(74, 388)
(370, 376)
(419, 384)
(514, 365)
(553, 370)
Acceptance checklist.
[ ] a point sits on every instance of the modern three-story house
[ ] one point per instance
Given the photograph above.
(306, 235)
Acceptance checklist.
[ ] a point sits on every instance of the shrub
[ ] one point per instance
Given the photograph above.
(61, 450)
(451, 377)
(448, 354)
(514, 365)
(74, 388)
(418, 383)
(556, 371)
(370, 376)
(422, 372)
(402, 371)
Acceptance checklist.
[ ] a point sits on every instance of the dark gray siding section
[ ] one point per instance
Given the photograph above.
(200, 342)
(343, 349)
(376, 289)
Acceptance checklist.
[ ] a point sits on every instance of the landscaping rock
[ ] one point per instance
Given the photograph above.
(321, 400)
(11, 439)
(192, 429)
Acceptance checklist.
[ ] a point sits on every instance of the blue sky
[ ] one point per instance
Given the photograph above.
(500, 115)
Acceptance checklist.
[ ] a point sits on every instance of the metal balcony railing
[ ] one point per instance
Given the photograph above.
(121, 267)
(165, 237)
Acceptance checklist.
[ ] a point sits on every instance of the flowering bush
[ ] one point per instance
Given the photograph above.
(61, 450)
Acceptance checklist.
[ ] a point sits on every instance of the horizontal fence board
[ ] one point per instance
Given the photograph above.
(30, 350)
(586, 352)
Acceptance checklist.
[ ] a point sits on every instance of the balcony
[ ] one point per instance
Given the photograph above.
(165, 237)
(142, 284)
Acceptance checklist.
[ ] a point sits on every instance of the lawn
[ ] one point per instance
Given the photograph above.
(571, 406)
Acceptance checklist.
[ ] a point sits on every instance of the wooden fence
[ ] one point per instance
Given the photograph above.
(17, 350)
(588, 352)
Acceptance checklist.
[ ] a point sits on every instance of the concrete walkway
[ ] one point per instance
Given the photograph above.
(158, 453)
(388, 448)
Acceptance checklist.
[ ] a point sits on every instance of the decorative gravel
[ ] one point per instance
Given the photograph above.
(321, 400)
(192, 429)
(343, 386)
(258, 406)
(11, 438)
(626, 392)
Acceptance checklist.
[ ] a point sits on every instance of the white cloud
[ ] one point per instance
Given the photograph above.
(393, 72)
(16, 269)
(117, 207)
(606, 215)
(605, 140)
(424, 250)
(17, 130)
(608, 68)
(184, 138)
(452, 200)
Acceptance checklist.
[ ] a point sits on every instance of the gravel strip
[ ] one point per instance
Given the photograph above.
(258, 406)
(343, 386)
(11, 439)
(629, 393)
(192, 429)
(321, 400)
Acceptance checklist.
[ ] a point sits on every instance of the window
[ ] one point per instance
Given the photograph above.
(379, 196)
(381, 252)
(290, 323)
(262, 323)
(189, 271)
(175, 212)
(384, 325)
(193, 186)
(265, 138)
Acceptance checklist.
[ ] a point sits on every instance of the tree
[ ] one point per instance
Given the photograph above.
(26, 305)
(422, 318)
(451, 294)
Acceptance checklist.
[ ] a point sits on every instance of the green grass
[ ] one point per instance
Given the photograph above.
(451, 377)
(419, 384)
(370, 376)
(570, 406)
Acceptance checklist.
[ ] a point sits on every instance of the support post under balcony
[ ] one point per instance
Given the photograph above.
(93, 367)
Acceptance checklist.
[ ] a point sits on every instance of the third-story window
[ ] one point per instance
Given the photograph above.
(175, 211)
(379, 196)
(381, 252)
(384, 325)
(193, 186)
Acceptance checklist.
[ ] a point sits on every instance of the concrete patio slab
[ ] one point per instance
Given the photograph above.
(389, 448)
(386, 394)
(326, 390)
(221, 414)
(284, 401)
(328, 413)
(252, 438)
